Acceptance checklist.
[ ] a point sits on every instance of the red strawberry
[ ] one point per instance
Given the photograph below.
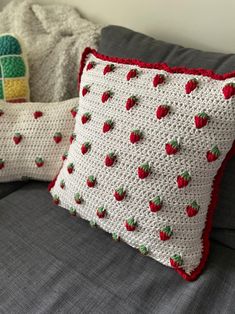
(2, 164)
(62, 184)
(155, 204)
(135, 136)
(86, 117)
(101, 212)
(131, 102)
(37, 114)
(17, 138)
(176, 261)
(143, 171)
(158, 79)
(131, 74)
(90, 65)
(57, 137)
(213, 154)
(192, 209)
(56, 200)
(229, 90)
(143, 249)
(39, 162)
(85, 147)
(91, 181)
(165, 233)
(110, 159)
(201, 119)
(72, 138)
(72, 211)
(119, 194)
(108, 125)
(115, 237)
(70, 168)
(130, 224)
(108, 68)
(77, 198)
(183, 179)
(64, 156)
(74, 111)
(162, 111)
(172, 147)
(85, 90)
(191, 85)
(106, 95)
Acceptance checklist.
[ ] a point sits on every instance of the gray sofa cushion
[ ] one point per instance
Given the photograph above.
(124, 43)
(7, 188)
(52, 263)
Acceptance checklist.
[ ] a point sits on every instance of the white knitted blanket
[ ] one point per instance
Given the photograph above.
(54, 37)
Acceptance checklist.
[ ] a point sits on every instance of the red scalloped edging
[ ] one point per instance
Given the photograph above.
(217, 179)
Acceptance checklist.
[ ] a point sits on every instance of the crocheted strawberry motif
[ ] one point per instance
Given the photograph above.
(155, 204)
(144, 171)
(192, 209)
(107, 126)
(17, 138)
(72, 211)
(201, 119)
(72, 138)
(172, 147)
(229, 90)
(91, 181)
(77, 198)
(1, 112)
(85, 147)
(131, 74)
(110, 159)
(56, 200)
(93, 224)
(85, 90)
(2, 163)
(191, 85)
(183, 179)
(90, 65)
(74, 111)
(158, 80)
(108, 68)
(37, 114)
(57, 137)
(136, 136)
(165, 233)
(70, 168)
(143, 249)
(213, 154)
(62, 184)
(39, 162)
(131, 102)
(64, 156)
(106, 95)
(130, 224)
(86, 117)
(101, 212)
(162, 111)
(176, 261)
(115, 237)
(120, 194)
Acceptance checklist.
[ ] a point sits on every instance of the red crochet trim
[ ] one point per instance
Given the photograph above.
(217, 179)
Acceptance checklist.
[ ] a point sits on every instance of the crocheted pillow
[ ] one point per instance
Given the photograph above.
(146, 166)
(14, 86)
(33, 139)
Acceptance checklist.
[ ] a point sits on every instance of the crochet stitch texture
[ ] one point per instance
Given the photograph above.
(153, 171)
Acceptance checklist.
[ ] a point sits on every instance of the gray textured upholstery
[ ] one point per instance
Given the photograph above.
(52, 263)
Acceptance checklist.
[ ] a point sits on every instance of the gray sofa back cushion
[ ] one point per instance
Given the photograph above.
(124, 43)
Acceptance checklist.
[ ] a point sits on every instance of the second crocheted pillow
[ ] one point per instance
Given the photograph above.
(14, 85)
(151, 145)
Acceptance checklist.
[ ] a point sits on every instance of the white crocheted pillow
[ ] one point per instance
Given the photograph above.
(33, 138)
(150, 141)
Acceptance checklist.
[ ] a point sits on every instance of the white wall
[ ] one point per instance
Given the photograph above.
(204, 24)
